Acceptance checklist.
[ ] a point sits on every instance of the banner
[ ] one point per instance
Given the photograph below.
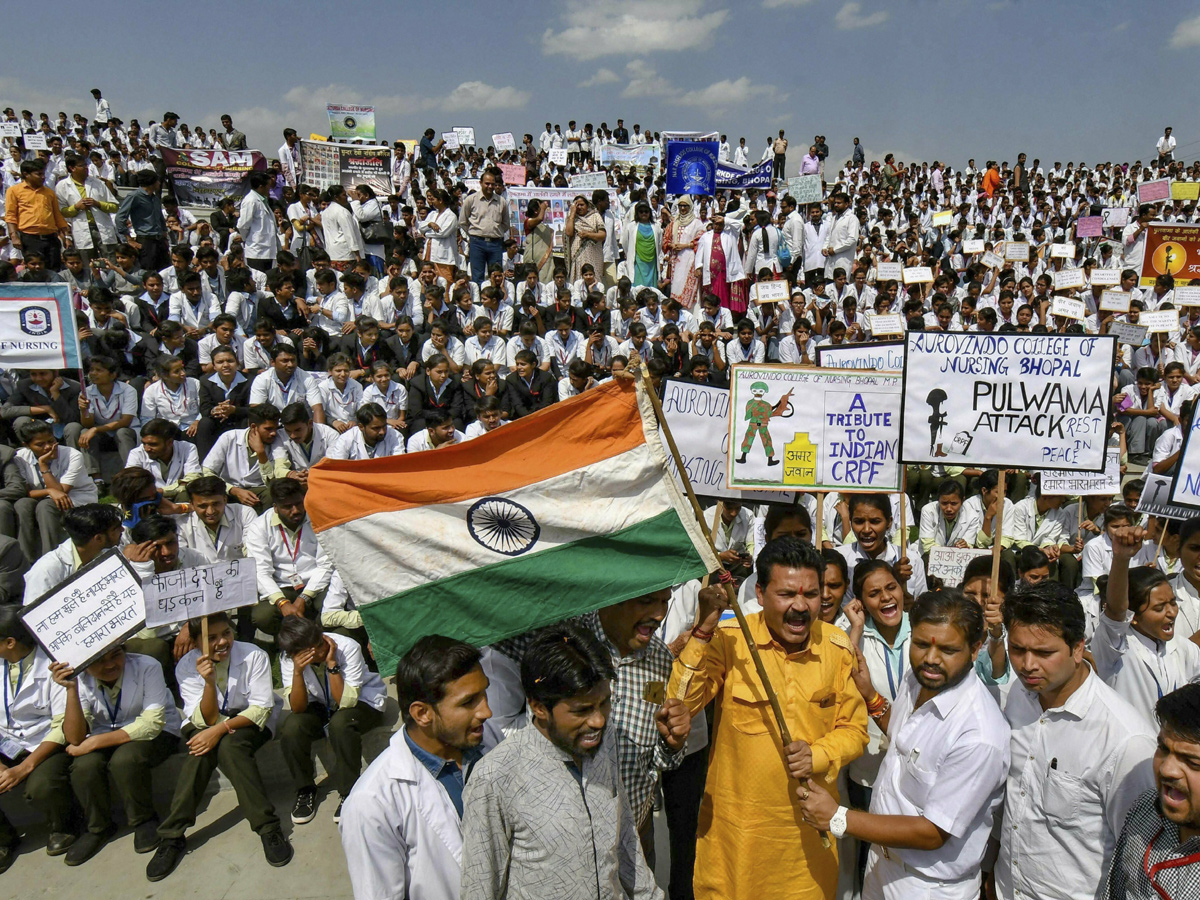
(814, 429)
(735, 178)
(666, 136)
(206, 177)
(1008, 401)
(692, 167)
(880, 356)
(1156, 499)
(1185, 489)
(323, 164)
(1171, 249)
(558, 201)
(627, 154)
(351, 122)
(1086, 484)
(950, 563)
(37, 327)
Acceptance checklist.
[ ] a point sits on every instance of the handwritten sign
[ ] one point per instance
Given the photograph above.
(1066, 279)
(1115, 216)
(36, 142)
(876, 356)
(589, 181)
(557, 156)
(1068, 308)
(1153, 191)
(450, 140)
(1007, 400)
(1162, 320)
(96, 608)
(950, 563)
(992, 260)
(890, 271)
(1156, 499)
(805, 188)
(512, 174)
(887, 323)
(918, 275)
(1016, 251)
(770, 291)
(1086, 484)
(813, 429)
(1062, 251)
(199, 591)
(942, 218)
(504, 141)
(1105, 277)
(1188, 295)
(976, 245)
(1128, 333)
(1185, 190)
(1115, 301)
(1185, 489)
(1089, 226)
(466, 136)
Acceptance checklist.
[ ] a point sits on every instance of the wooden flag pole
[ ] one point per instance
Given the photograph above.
(784, 733)
(997, 531)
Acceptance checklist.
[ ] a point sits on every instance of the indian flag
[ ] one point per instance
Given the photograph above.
(556, 514)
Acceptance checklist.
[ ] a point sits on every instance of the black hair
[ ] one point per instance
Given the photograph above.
(564, 660)
(1048, 605)
(287, 490)
(879, 502)
(867, 567)
(153, 528)
(13, 626)
(948, 487)
(981, 566)
(82, 523)
(833, 558)
(1142, 582)
(29, 430)
(791, 552)
(262, 412)
(295, 413)
(161, 428)
(425, 671)
(207, 486)
(1031, 557)
(195, 626)
(1178, 712)
(298, 633)
(369, 412)
(776, 514)
(952, 606)
(129, 483)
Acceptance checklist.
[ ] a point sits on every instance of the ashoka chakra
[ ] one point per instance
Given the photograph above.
(501, 525)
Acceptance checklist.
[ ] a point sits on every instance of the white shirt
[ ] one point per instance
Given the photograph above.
(394, 402)
(185, 461)
(187, 314)
(354, 671)
(341, 405)
(323, 437)
(123, 401)
(350, 445)
(342, 236)
(232, 460)
(267, 388)
(286, 560)
(1075, 771)
(256, 225)
(143, 687)
(843, 241)
(1140, 669)
(420, 441)
(67, 467)
(249, 683)
(28, 711)
(854, 554)
(229, 541)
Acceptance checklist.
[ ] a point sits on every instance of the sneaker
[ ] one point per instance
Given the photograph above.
(145, 837)
(170, 851)
(305, 808)
(276, 848)
(87, 846)
(337, 813)
(8, 855)
(59, 843)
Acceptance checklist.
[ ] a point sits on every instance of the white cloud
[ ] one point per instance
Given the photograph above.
(602, 76)
(1186, 34)
(644, 81)
(595, 28)
(777, 4)
(37, 99)
(850, 16)
(475, 95)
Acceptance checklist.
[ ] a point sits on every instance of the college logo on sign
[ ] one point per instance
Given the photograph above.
(35, 321)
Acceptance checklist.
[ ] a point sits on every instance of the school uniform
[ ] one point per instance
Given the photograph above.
(351, 445)
(344, 722)
(232, 460)
(304, 456)
(39, 520)
(255, 357)
(853, 554)
(122, 401)
(394, 401)
(1141, 669)
(289, 564)
(283, 317)
(227, 541)
(424, 398)
(420, 442)
(937, 532)
(267, 388)
(181, 406)
(404, 353)
(523, 397)
(146, 352)
(363, 357)
(213, 391)
(171, 478)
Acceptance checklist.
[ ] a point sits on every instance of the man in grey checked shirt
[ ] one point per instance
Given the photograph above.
(643, 663)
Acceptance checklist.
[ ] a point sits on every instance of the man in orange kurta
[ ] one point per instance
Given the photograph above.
(752, 843)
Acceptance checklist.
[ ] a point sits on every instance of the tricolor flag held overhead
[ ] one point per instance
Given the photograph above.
(563, 512)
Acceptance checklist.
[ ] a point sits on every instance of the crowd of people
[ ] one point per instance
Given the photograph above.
(1035, 734)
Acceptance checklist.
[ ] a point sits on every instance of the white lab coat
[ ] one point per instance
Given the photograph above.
(733, 259)
(442, 243)
(401, 834)
(68, 195)
(843, 240)
(256, 225)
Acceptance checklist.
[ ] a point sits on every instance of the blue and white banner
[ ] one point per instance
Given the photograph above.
(692, 167)
(37, 327)
(735, 178)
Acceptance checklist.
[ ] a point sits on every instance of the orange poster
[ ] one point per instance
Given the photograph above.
(1172, 250)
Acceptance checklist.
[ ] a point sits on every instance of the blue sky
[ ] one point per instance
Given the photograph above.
(926, 79)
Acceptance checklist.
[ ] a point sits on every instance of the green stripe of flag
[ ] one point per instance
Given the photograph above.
(513, 596)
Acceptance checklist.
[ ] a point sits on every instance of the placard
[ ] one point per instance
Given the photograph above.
(1115, 216)
(466, 136)
(1185, 489)
(1007, 400)
(589, 181)
(806, 189)
(95, 609)
(992, 260)
(813, 429)
(1062, 251)
(771, 291)
(199, 591)
(1156, 499)
(1153, 191)
(36, 141)
(1105, 277)
(1185, 190)
(943, 218)
(1016, 251)
(1165, 321)
(871, 356)
(1188, 295)
(1172, 248)
(1115, 301)
(504, 141)
(918, 275)
(558, 203)
(1089, 226)
(1128, 333)
(450, 140)
(557, 156)
(1068, 308)
(889, 271)
(1066, 279)
(886, 323)
(975, 245)
(950, 563)
(1086, 484)
(10, 129)
(512, 173)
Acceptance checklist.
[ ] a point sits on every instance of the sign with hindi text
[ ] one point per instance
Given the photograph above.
(199, 591)
(949, 564)
(1086, 484)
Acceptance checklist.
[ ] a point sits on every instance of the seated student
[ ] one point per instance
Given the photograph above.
(478, 382)
(224, 334)
(307, 441)
(434, 391)
(697, 370)
(224, 399)
(1035, 521)
(528, 388)
(442, 343)
(107, 411)
(577, 379)
(439, 431)
(1033, 565)
(285, 383)
(372, 439)
(46, 396)
(871, 522)
(242, 301)
(1169, 446)
(190, 307)
(249, 459)
(215, 528)
(57, 479)
(293, 570)
(946, 522)
(391, 395)
(405, 348)
(637, 344)
(172, 462)
(977, 584)
(256, 350)
(599, 349)
(484, 344)
(331, 311)
(230, 712)
(363, 348)
(746, 348)
(1173, 392)
(31, 739)
(174, 396)
(489, 415)
(287, 313)
(91, 529)
(120, 721)
(331, 693)
(173, 341)
(671, 351)
(527, 338)
(341, 395)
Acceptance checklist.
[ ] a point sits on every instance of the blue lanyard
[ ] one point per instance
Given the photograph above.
(899, 671)
(1157, 684)
(17, 690)
(112, 712)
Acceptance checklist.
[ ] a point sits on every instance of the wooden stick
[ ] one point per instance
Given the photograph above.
(820, 526)
(1162, 533)
(997, 531)
(784, 732)
(204, 635)
(903, 513)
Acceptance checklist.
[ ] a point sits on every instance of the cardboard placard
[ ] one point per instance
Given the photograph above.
(943, 218)
(1068, 308)
(1089, 226)
(504, 141)
(871, 356)
(10, 129)
(1188, 295)
(199, 591)
(589, 181)
(887, 323)
(1115, 301)
(95, 609)
(889, 271)
(1115, 216)
(1185, 489)
(1171, 247)
(1062, 251)
(1016, 251)
(512, 173)
(1185, 190)
(1128, 333)
(976, 245)
(557, 156)
(1105, 277)
(1086, 484)
(36, 141)
(992, 260)
(805, 188)
(771, 291)
(37, 326)
(1156, 499)
(451, 140)
(918, 275)
(1153, 191)
(1165, 321)
(466, 136)
(950, 563)
(1066, 279)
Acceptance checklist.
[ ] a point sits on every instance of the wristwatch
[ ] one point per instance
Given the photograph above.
(837, 823)
(334, 670)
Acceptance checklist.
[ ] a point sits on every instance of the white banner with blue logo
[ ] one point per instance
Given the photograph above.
(736, 178)
(692, 167)
(37, 327)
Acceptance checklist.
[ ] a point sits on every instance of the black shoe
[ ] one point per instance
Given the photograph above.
(88, 845)
(337, 813)
(166, 858)
(276, 848)
(59, 842)
(305, 807)
(742, 458)
(145, 837)
(8, 855)
(772, 461)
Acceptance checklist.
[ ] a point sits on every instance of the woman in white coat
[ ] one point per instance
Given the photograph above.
(368, 211)
(440, 230)
(762, 246)
(642, 241)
